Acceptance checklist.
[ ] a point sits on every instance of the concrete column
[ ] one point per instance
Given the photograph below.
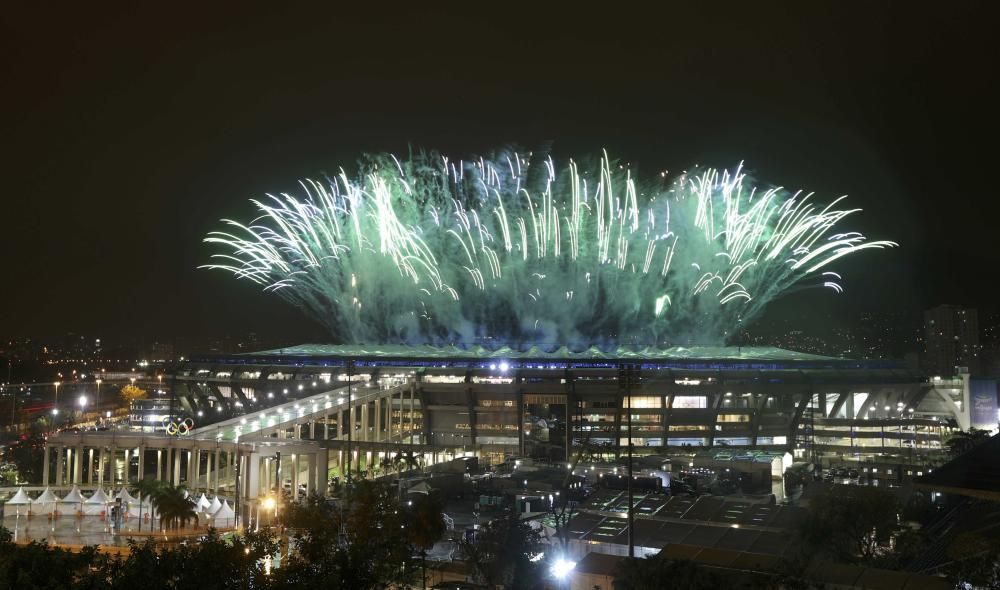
(159, 465)
(78, 465)
(112, 464)
(190, 469)
(349, 426)
(60, 458)
(326, 427)
(251, 475)
(312, 430)
(295, 477)
(412, 391)
(402, 396)
(45, 465)
(100, 467)
(322, 469)
(209, 466)
(90, 466)
(215, 478)
(177, 467)
(310, 473)
(364, 423)
(378, 419)
(127, 467)
(142, 463)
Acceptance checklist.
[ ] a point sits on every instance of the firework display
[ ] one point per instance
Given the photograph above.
(517, 251)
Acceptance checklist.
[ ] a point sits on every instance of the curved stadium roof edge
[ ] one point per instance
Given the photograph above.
(678, 356)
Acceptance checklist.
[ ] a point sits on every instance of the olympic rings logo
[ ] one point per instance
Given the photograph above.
(181, 428)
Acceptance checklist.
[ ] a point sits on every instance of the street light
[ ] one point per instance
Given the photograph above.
(562, 568)
(55, 403)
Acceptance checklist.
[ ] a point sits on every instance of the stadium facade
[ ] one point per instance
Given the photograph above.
(497, 403)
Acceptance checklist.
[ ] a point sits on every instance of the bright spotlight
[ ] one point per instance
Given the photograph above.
(562, 568)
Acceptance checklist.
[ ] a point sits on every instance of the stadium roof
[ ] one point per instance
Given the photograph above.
(745, 353)
(707, 358)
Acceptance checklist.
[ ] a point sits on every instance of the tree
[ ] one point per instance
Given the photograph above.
(28, 456)
(368, 542)
(37, 565)
(425, 524)
(131, 393)
(976, 561)
(175, 509)
(150, 489)
(855, 526)
(502, 553)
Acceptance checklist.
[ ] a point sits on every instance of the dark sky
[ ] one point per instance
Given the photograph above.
(128, 133)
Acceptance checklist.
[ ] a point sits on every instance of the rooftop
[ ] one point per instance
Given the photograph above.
(698, 358)
(703, 353)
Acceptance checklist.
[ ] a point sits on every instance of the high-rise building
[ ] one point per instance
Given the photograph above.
(951, 340)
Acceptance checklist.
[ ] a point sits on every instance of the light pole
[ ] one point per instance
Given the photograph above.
(98, 382)
(55, 403)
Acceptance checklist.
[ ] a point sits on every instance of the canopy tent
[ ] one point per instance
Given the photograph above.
(126, 497)
(73, 497)
(214, 506)
(224, 516)
(45, 504)
(202, 503)
(130, 505)
(97, 503)
(98, 497)
(19, 500)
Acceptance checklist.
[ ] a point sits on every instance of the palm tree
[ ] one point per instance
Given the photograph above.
(151, 489)
(174, 508)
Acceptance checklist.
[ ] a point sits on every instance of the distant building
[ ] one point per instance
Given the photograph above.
(951, 340)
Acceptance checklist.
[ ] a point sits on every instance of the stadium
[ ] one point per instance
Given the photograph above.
(546, 404)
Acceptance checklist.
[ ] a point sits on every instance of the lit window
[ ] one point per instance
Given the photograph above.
(689, 401)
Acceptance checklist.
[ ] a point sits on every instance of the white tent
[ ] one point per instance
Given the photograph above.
(202, 504)
(18, 500)
(73, 497)
(73, 500)
(126, 497)
(214, 506)
(224, 516)
(96, 503)
(44, 504)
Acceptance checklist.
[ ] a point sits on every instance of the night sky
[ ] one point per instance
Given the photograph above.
(128, 134)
